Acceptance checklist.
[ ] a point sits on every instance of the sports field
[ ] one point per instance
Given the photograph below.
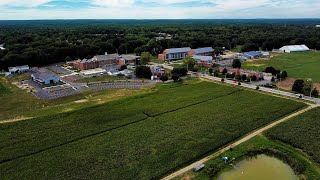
(298, 65)
(301, 132)
(140, 137)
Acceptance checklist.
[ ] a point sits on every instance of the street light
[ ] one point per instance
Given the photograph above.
(310, 80)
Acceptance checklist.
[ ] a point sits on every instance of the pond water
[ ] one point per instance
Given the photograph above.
(260, 168)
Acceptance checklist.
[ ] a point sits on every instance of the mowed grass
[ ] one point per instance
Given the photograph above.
(3, 90)
(298, 65)
(140, 137)
(302, 132)
(20, 103)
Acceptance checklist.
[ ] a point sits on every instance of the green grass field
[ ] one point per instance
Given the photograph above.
(302, 132)
(138, 137)
(3, 89)
(298, 65)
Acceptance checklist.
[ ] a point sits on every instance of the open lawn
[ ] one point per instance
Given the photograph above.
(21, 103)
(302, 132)
(298, 65)
(138, 137)
(3, 89)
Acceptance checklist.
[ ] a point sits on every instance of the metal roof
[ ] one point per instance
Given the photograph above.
(202, 58)
(178, 50)
(203, 50)
(253, 53)
(25, 67)
(44, 76)
(105, 57)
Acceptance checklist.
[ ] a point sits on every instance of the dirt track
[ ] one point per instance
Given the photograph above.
(236, 143)
(14, 120)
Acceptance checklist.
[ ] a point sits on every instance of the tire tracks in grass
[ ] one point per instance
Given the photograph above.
(111, 129)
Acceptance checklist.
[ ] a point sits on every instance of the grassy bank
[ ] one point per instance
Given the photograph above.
(21, 103)
(311, 170)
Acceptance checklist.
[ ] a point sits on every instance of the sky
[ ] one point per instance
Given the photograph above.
(158, 9)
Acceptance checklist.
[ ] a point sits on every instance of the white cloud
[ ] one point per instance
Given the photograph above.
(23, 3)
(113, 3)
(109, 9)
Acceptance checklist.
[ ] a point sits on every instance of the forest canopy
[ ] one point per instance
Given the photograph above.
(37, 43)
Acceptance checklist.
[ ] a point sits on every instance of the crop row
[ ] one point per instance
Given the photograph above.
(29, 137)
(301, 132)
(148, 149)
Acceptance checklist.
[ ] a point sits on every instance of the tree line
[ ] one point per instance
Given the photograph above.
(38, 43)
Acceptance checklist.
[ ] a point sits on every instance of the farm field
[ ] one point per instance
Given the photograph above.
(138, 137)
(301, 132)
(298, 65)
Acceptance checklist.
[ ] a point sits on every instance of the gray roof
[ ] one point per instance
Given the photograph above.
(129, 56)
(106, 57)
(19, 67)
(86, 60)
(253, 53)
(203, 50)
(178, 50)
(202, 58)
(43, 76)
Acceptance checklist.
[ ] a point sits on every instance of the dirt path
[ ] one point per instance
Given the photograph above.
(242, 140)
(14, 120)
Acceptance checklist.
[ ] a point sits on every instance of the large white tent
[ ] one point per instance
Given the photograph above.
(294, 48)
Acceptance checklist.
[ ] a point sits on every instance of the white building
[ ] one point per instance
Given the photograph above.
(18, 69)
(318, 26)
(93, 72)
(294, 48)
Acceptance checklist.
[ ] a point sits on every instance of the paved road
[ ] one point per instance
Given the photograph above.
(163, 65)
(264, 89)
(244, 139)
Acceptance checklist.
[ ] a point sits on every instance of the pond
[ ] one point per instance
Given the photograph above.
(262, 167)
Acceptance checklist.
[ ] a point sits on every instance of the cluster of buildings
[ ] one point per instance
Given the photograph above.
(17, 70)
(104, 60)
(248, 73)
(204, 56)
(162, 36)
(253, 55)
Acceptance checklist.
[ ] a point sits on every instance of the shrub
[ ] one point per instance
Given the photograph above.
(298, 86)
(164, 78)
(143, 72)
(181, 71)
(175, 77)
